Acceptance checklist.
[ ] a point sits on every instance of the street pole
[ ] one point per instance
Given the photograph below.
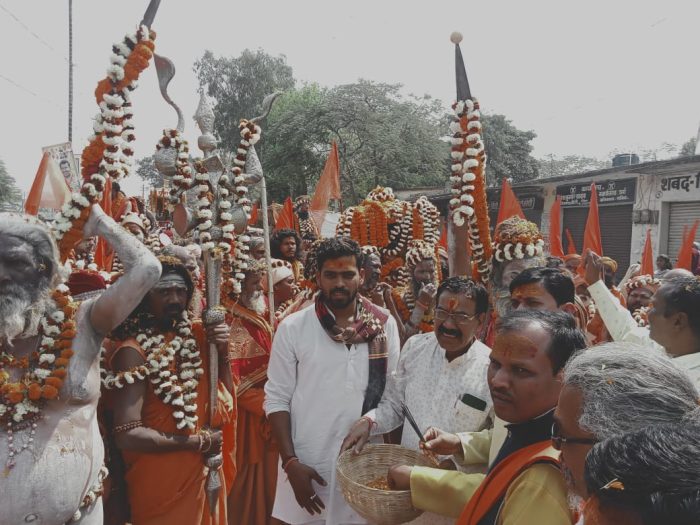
(70, 71)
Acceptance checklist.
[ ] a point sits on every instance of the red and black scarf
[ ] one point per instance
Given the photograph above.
(368, 327)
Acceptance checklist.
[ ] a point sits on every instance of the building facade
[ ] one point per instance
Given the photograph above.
(662, 196)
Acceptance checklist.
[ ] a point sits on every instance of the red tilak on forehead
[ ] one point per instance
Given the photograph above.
(452, 304)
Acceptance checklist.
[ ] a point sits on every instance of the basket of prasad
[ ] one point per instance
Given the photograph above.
(363, 480)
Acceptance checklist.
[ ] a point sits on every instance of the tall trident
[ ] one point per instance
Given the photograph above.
(219, 215)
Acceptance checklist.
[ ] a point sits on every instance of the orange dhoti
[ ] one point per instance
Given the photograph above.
(253, 492)
(257, 457)
(168, 488)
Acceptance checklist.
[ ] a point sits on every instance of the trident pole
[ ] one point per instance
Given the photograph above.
(268, 256)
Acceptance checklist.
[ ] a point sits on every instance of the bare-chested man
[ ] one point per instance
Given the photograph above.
(51, 452)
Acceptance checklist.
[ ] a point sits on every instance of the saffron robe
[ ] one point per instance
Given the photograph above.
(169, 487)
(253, 491)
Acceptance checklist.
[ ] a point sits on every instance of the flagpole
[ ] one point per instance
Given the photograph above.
(268, 256)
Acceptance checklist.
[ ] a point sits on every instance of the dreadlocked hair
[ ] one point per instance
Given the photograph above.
(141, 318)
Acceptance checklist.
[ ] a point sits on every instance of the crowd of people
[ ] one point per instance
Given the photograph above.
(198, 369)
(552, 394)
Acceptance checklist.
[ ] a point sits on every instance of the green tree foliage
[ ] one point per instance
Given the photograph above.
(10, 195)
(688, 148)
(508, 151)
(239, 86)
(147, 172)
(384, 136)
(555, 166)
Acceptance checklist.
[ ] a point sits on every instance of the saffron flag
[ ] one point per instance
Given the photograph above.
(555, 246)
(104, 255)
(49, 189)
(443, 237)
(571, 248)
(592, 239)
(327, 188)
(685, 254)
(509, 206)
(253, 215)
(285, 219)
(647, 256)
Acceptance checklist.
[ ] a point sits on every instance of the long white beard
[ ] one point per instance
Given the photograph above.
(19, 316)
(256, 302)
(501, 301)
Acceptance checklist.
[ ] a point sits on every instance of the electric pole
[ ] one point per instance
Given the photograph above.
(70, 71)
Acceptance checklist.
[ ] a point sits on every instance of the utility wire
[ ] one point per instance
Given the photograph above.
(36, 36)
(20, 86)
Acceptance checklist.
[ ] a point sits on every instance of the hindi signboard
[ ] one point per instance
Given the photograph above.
(610, 192)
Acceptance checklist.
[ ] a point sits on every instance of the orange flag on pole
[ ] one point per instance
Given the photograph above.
(555, 246)
(509, 206)
(592, 239)
(571, 248)
(286, 217)
(443, 237)
(253, 215)
(685, 254)
(327, 188)
(647, 256)
(104, 253)
(49, 189)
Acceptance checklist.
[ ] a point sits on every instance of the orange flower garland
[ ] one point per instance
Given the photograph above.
(418, 231)
(109, 151)
(469, 202)
(21, 400)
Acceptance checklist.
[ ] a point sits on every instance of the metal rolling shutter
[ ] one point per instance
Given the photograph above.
(681, 214)
(615, 228)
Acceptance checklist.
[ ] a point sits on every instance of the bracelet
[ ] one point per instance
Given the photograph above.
(372, 423)
(289, 461)
(423, 306)
(127, 426)
(204, 436)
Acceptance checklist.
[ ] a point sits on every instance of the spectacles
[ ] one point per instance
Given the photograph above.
(558, 440)
(443, 315)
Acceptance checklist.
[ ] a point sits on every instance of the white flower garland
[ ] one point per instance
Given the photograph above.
(510, 251)
(642, 281)
(467, 155)
(115, 125)
(173, 369)
(182, 180)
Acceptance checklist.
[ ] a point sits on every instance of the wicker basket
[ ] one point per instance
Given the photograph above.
(378, 507)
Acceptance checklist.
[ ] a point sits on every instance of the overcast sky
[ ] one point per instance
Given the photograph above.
(587, 77)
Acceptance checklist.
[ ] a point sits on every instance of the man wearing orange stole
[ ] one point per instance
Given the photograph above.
(159, 393)
(253, 491)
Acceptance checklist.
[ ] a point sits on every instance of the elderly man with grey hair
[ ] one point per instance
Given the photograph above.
(610, 390)
(50, 446)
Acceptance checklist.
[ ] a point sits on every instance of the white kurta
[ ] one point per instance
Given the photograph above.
(433, 388)
(322, 385)
(623, 327)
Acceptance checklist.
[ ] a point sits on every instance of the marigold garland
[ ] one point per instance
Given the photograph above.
(109, 152)
(182, 180)
(173, 368)
(46, 369)
(469, 202)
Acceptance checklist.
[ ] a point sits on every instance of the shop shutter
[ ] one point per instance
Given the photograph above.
(681, 214)
(615, 228)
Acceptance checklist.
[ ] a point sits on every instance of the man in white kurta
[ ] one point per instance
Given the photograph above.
(672, 317)
(439, 392)
(321, 383)
(441, 377)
